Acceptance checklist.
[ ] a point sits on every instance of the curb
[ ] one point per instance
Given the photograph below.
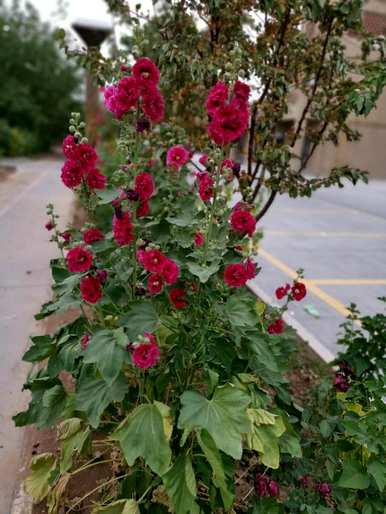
(325, 354)
(22, 503)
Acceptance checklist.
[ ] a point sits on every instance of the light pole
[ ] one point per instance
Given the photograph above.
(93, 33)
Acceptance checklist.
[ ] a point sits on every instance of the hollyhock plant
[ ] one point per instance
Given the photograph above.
(79, 259)
(217, 98)
(86, 155)
(298, 291)
(143, 209)
(153, 105)
(228, 124)
(177, 156)
(123, 229)
(90, 289)
(277, 327)
(155, 283)
(85, 341)
(69, 147)
(283, 291)
(203, 159)
(95, 179)
(199, 239)
(146, 72)
(152, 260)
(177, 298)
(144, 186)
(146, 355)
(243, 222)
(170, 272)
(205, 186)
(72, 174)
(92, 235)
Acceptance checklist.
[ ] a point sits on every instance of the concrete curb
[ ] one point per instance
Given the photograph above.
(325, 354)
(22, 503)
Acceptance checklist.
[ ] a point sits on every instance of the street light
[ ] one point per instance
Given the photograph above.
(93, 33)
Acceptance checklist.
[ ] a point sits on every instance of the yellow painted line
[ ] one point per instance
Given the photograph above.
(323, 233)
(326, 298)
(348, 281)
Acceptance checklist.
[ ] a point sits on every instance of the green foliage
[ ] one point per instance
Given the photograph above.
(37, 85)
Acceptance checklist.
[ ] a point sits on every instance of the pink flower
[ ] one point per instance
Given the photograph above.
(203, 159)
(265, 487)
(153, 260)
(86, 155)
(155, 284)
(90, 289)
(143, 209)
(145, 355)
(92, 235)
(153, 105)
(144, 185)
(71, 174)
(243, 221)
(217, 97)
(123, 229)
(340, 383)
(227, 163)
(198, 239)
(324, 489)
(177, 298)
(95, 179)
(234, 275)
(69, 147)
(298, 291)
(281, 292)
(205, 186)
(177, 156)
(146, 72)
(241, 91)
(79, 260)
(122, 97)
(277, 327)
(229, 123)
(170, 272)
(84, 341)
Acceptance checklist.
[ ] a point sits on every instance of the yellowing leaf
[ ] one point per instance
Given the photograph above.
(37, 484)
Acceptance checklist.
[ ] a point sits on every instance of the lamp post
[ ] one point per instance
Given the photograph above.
(93, 33)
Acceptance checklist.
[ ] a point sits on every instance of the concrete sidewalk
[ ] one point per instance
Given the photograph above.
(24, 286)
(339, 237)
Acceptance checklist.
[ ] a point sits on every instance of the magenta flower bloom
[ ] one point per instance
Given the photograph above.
(177, 156)
(79, 260)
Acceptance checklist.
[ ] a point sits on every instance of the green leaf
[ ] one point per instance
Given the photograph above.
(224, 417)
(353, 476)
(142, 434)
(42, 347)
(203, 272)
(264, 435)
(213, 456)
(52, 406)
(325, 428)
(239, 312)
(107, 350)
(118, 507)
(142, 317)
(37, 484)
(378, 471)
(72, 438)
(94, 394)
(180, 484)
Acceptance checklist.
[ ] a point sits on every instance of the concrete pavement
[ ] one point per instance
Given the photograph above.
(24, 286)
(339, 237)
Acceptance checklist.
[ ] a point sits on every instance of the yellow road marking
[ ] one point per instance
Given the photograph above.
(326, 298)
(322, 233)
(348, 281)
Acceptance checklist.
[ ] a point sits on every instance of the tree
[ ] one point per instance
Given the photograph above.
(37, 85)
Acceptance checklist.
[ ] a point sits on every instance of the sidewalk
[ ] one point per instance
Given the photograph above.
(24, 286)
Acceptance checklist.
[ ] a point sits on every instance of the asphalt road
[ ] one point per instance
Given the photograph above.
(338, 237)
(24, 285)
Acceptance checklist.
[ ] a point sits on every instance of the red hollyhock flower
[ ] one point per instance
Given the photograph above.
(203, 159)
(92, 235)
(170, 272)
(144, 185)
(250, 269)
(69, 147)
(265, 487)
(243, 221)
(84, 341)
(305, 481)
(241, 91)
(340, 383)
(227, 163)
(229, 124)
(49, 225)
(234, 275)
(281, 292)
(71, 174)
(90, 289)
(66, 235)
(86, 155)
(177, 298)
(198, 239)
(298, 291)
(79, 260)
(101, 275)
(122, 97)
(95, 179)
(146, 72)
(324, 489)
(145, 355)
(177, 156)
(123, 229)
(205, 187)
(155, 283)
(217, 97)
(143, 209)
(277, 327)
(153, 105)
(153, 260)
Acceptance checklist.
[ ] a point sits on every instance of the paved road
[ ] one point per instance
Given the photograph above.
(339, 238)
(24, 285)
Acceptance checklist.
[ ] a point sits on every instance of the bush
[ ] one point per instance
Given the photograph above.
(37, 85)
